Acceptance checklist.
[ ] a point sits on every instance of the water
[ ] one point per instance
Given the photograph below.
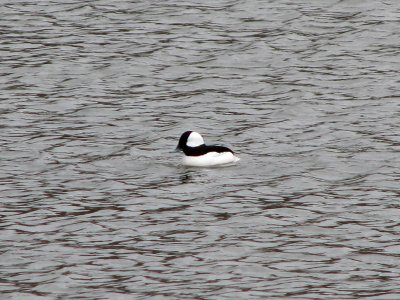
(94, 97)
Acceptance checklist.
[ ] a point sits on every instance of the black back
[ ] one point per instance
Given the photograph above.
(199, 150)
(204, 149)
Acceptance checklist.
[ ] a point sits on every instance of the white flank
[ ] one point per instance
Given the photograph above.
(210, 159)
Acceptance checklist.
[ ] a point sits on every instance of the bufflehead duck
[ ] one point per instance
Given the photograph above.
(198, 154)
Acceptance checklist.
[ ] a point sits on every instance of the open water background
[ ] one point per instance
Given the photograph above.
(94, 96)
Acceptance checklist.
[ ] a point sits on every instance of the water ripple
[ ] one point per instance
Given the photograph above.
(94, 203)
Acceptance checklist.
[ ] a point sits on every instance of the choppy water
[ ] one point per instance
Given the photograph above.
(94, 96)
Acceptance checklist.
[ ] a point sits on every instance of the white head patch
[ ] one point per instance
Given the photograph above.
(194, 140)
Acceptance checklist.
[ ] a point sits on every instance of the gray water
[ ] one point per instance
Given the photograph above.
(94, 201)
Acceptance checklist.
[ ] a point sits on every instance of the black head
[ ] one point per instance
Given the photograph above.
(183, 140)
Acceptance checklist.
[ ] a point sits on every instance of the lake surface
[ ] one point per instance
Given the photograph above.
(94, 201)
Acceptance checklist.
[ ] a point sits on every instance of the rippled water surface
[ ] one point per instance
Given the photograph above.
(94, 201)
